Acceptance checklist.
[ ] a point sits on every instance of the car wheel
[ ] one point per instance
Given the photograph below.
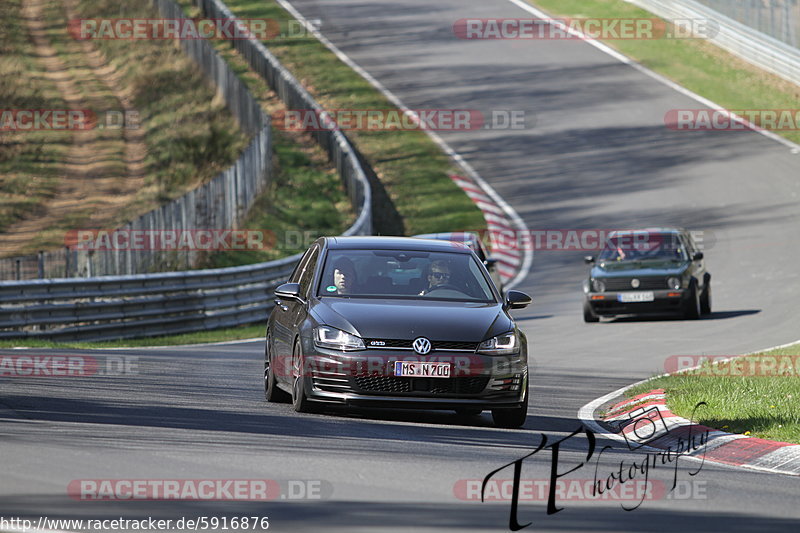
(588, 314)
(514, 417)
(705, 299)
(468, 412)
(271, 391)
(300, 401)
(692, 306)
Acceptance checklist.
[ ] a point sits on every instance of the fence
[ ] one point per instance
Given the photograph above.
(219, 204)
(118, 307)
(777, 18)
(775, 51)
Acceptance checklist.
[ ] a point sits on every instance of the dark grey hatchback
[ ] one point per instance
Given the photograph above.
(648, 272)
(396, 322)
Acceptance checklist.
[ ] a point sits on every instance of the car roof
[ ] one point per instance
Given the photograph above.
(394, 243)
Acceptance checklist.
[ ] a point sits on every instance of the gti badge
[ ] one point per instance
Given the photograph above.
(635, 283)
(421, 345)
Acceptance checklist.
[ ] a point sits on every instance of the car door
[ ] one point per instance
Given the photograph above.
(284, 314)
(698, 265)
(294, 311)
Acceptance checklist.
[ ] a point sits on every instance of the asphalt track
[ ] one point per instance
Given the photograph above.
(597, 156)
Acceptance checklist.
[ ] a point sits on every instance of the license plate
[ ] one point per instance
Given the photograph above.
(628, 297)
(421, 369)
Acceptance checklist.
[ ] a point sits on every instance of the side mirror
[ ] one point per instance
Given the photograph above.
(589, 259)
(517, 300)
(490, 262)
(697, 256)
(290, 291)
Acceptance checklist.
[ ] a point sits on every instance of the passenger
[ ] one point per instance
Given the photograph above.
(344, 276)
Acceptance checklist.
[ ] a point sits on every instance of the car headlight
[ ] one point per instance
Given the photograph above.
(674, 283)
(336, 339)
(598, 285)
(504, 344)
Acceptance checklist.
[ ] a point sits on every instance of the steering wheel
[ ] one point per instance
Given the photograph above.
(446, 286)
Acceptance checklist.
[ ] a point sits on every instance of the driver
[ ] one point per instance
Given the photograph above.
(438, 275)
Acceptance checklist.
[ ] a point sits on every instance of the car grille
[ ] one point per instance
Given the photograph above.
(393, 384)
(331, 382)
(645, 283)
(403, 344)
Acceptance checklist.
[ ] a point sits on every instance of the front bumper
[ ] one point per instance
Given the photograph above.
(664, 302)
(366, 378)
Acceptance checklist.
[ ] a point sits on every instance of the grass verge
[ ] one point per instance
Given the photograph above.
(695, 64)
(189, 135)
(29, 161)
(306, 197)
(765, 406)
(411, 169)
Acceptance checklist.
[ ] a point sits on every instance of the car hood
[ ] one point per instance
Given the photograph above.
(639, 268)
(408, 319)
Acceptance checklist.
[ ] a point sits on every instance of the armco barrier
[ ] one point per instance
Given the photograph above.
(748, 43)
(118, 307)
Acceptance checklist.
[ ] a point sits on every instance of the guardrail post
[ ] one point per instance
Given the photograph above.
(66, 261)
(18, 269)
(41, 264)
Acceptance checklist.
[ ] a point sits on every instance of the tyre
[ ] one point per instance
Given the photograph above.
(514, 417)
(705, 299)
(588, 314)
(271, 391)
(691, 309)
(300, 401)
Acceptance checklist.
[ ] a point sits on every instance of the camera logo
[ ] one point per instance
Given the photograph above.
(645, 425)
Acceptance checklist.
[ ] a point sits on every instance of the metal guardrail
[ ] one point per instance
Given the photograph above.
(776, 18)
(748, 43)
(119, 307)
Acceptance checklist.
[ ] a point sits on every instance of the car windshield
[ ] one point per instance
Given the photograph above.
(404, 274)
(644, 246)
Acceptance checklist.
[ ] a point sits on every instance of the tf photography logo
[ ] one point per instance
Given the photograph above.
(636, 471)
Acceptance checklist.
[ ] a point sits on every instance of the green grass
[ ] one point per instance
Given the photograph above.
(190, 135)
(306, 197)
(415, 194)
(765, 407)
(217, 335)
(29, 161)
(693, 63)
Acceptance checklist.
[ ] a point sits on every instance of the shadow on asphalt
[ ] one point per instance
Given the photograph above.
(715, 315)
